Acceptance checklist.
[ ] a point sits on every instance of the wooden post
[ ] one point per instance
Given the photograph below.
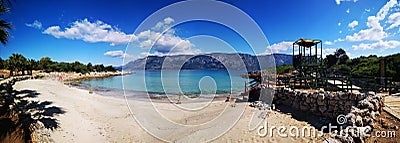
(179, 99)
(245, 89)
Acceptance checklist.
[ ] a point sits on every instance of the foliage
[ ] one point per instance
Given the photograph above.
(1, 63)
(284, 69)
(18, 63)
(338, 58)
(4, 25)
(363, 66)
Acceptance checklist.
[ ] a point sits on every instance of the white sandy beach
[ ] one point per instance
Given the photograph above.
(97, 118)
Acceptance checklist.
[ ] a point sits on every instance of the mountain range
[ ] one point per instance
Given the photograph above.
(213, 61)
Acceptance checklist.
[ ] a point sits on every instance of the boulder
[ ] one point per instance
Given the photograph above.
(303, 107)
(351, 119)
(322, 109)
(343, 96)
(359, 121)
(320, 102)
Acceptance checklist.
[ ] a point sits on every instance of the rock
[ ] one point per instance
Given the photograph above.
(360, 96)
(345, 139)
(351, 119)
(348, 103)
(365, 104)
(359, 121)
(352, 96)
(330, 96)
(368, 121)
(336, 97)
(332, 102)
(375, 102)
(295, 105)
(394, 127)
(374, 115)
(331, 140)
(320, 102)
(322, 109)
(308, 100)
(343, 96)
(320, 96)
(315, 95)
(303, 107)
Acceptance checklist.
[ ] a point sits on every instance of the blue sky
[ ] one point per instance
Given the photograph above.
(98, 31)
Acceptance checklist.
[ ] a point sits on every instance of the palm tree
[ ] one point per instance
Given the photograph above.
(2, 63)
(30, 65)
(16, 62)
(44, 64)
(4, 25)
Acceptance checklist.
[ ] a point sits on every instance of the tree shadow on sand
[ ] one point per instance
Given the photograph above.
(316, 121)
(19, 112)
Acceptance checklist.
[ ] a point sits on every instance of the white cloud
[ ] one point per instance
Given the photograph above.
(394, 20)
(338, 40)
(380, 44)
(375, 31)
(166, 43)
(328, 43)
(119, 54)
(278, 47)
(163, 25)
(116, 53)
(91, 32)
(340, 31)
(328, 51)
(348, 11)
(337, 2)
(367, 10)
(353, 24)
(368, 34)
(338, 24)
(36, 24)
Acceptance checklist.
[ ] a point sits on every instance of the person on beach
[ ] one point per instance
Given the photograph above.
(60, 78)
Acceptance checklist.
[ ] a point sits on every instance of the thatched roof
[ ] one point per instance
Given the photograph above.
(306, 42)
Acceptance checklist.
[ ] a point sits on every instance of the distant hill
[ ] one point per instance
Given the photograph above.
(212, 61)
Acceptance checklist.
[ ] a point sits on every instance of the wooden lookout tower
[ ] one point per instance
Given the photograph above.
(307, 61)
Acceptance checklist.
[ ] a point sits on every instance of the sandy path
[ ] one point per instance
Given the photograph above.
(96, 118)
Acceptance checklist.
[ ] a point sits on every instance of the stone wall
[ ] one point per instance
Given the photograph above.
(320, 103)
(359, 110)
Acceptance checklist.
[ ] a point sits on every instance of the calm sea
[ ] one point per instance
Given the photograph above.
(190, 82)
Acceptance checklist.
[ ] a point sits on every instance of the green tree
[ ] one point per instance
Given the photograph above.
(338, 58)
(30, 66)
(17, 63)
(99, 68)
(110, 68)
(44, 64)
(2, 63)
(79, 67)
(89, 67)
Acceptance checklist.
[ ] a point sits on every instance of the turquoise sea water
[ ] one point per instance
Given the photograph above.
(189, 82)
